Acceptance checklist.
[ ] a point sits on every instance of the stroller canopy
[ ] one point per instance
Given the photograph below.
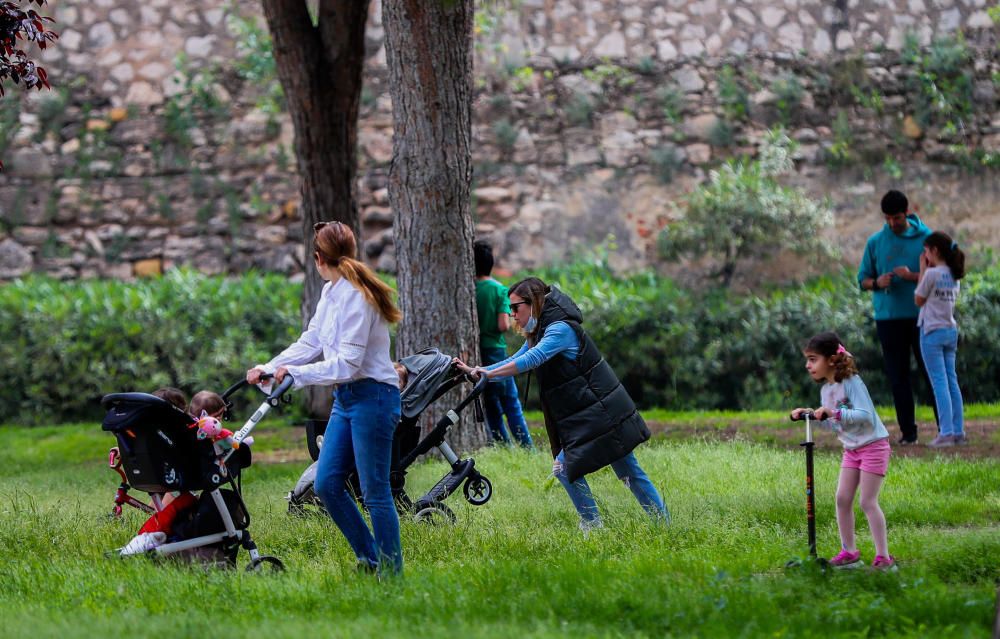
(428, 369)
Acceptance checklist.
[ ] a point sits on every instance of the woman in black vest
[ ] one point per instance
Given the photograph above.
(590, 419)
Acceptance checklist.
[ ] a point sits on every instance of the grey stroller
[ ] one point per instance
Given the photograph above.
(431, 375)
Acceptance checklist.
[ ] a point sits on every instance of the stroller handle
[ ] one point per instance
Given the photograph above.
(477, 390)
(274, 395)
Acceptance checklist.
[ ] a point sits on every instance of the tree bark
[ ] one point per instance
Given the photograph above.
(320, 68)
(429, 56)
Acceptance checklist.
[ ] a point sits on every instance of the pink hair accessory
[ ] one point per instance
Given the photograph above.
(841, 349)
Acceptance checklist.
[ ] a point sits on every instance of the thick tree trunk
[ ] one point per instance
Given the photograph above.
(429, 55)
(320, 68)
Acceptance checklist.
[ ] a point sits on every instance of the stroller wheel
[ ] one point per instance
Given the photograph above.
(478, 490)
(266, 563)
(434, 513)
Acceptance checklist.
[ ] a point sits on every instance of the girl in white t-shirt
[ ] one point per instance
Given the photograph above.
(942, 265)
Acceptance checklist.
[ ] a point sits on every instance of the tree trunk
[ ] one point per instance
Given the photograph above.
(320, 68)
(429, 55)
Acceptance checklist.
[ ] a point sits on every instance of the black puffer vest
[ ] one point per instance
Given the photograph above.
(588, 413)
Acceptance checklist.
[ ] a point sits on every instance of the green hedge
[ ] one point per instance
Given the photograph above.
(676, 348)
(67, 344)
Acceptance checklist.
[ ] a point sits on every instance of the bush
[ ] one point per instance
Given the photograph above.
(745, 212)
(67, 344)
(682, 349)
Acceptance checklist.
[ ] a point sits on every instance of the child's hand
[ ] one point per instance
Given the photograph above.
(823, 413)
(797, 414)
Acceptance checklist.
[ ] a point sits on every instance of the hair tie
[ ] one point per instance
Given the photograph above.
(841, 349)
(954, 246)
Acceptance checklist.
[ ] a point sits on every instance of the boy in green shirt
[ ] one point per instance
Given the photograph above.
(493, 309)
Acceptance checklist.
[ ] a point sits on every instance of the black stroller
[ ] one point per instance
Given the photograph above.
(431, 375)
(159, 452)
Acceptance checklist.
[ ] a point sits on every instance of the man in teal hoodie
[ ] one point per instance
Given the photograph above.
(890, 269)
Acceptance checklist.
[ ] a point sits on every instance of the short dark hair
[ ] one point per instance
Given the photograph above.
(895, 202)
(482, 253)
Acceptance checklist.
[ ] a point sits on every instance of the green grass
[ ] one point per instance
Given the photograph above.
(779, 418)
(517, 566)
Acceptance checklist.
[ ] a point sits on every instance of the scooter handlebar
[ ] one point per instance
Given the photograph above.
(802, 416)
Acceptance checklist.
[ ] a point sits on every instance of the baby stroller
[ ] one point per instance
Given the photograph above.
(431, 375)
(159, 452)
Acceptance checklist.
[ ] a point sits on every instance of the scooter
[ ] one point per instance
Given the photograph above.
(810, 497)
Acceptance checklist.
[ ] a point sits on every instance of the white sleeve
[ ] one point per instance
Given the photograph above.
(303, 350)
(926, 286)
(343, 363)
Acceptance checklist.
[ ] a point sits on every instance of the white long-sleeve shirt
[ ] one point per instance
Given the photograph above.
(351, 335)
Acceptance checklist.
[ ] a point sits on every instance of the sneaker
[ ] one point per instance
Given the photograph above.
(143, 542)
(961, 439)
(587, 525)
(942, 441)
(907, 441)
(847, 559)
(884, 563)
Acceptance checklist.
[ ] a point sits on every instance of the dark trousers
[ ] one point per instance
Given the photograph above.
(900, 337)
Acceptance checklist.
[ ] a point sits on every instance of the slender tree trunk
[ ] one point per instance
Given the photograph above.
(429, 55)
(320, 68)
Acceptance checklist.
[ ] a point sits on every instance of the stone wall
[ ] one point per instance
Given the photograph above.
(591, 119)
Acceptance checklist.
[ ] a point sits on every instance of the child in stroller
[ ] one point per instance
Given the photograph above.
(159, 452)
(424, 378)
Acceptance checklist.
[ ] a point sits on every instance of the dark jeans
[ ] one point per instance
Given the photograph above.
(359, 435)
(900, 337)
(501, 399)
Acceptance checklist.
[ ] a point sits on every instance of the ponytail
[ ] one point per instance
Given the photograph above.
(375, 291)
(949, 252)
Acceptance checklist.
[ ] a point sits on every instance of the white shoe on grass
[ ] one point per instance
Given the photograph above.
(143, 542)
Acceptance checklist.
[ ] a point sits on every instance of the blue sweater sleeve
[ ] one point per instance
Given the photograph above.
(558, 338)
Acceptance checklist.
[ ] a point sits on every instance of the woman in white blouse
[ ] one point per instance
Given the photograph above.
(350, 330)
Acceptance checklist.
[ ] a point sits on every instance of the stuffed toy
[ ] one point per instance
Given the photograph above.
(211, 428)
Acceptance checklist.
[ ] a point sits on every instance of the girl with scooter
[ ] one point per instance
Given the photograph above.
(847, 410)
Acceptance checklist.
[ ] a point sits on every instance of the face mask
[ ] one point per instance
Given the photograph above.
(532, 323)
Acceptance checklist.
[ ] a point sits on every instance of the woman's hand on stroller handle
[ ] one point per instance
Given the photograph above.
(473, 373)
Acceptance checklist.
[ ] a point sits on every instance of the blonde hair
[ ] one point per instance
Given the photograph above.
(334, 245)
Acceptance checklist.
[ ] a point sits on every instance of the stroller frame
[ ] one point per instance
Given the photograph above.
(429, 508)
(232, 536)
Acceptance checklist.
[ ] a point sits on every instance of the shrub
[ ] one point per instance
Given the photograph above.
(744, 211)
(68, 344)
(717, 349)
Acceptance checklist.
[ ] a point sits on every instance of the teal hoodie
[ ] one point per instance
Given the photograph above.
(885, 251)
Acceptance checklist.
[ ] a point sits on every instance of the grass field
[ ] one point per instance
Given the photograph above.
(518, 566)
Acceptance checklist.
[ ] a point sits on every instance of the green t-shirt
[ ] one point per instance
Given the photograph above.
(491, 300)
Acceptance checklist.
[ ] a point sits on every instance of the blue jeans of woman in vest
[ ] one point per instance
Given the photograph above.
(628, 470)
(359, 435)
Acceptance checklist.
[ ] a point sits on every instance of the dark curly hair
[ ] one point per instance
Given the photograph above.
(830, 346)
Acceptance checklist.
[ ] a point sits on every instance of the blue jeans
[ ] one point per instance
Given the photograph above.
(628, 470)
(499, 399)
(359, 435)
(939, 348)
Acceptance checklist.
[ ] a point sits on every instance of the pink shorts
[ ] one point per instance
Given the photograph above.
(871, 458)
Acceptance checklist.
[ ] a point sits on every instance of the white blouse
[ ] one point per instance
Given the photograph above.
(350, 334)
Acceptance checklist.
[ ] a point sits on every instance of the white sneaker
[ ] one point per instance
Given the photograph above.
(143, 542)
(587, 525)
